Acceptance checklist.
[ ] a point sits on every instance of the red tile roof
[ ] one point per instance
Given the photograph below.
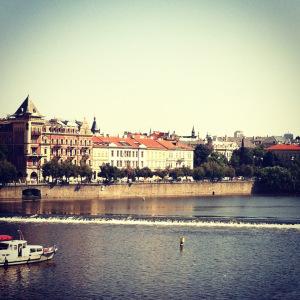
(137, 141)
(284, 147)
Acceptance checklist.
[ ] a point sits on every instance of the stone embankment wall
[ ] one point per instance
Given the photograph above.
(132, 191)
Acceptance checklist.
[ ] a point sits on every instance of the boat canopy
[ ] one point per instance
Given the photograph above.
(6, 238)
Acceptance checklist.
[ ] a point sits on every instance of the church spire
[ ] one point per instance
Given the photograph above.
(94, 128)
(193, 132)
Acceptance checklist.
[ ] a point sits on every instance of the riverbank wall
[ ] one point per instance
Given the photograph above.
(134, 190)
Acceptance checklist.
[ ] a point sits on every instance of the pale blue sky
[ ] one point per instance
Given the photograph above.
(165, 65)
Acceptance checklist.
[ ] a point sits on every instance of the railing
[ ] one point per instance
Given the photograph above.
(36, 132)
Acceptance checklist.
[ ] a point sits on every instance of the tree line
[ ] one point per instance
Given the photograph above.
(272, 176)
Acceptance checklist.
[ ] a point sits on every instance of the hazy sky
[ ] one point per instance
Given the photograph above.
(165, 65)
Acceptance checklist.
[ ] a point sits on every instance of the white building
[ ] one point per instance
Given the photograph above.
(224, 147)
(138, 151)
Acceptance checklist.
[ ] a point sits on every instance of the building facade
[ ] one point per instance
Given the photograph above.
(32, 140)
(286, 152)
(139, 151)
(223, 147)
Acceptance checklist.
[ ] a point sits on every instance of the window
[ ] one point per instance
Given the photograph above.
(112, 153)
(142, 154)
(32, 250)
(3, 246)
(62, 141)
(45, 151)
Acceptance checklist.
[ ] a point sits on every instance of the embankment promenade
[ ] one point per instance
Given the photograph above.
(135, 190)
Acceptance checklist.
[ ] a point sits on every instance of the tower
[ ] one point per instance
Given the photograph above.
(94, 128)
(193, 133)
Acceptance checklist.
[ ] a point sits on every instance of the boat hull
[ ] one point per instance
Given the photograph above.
(24, 260)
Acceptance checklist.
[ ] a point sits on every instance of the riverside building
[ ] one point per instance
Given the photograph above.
(32, 140)
(286, 152)
(139, 151)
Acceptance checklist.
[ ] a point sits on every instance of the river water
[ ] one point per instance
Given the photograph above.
(235, 248)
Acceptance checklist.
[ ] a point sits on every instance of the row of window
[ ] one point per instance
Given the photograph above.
(127, 163)
(69, 152)
(69, 142)
(126, 153)
(64, 130)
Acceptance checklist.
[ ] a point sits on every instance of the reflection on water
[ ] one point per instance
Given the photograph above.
(99, 207)
(249, 207)
(20, 274)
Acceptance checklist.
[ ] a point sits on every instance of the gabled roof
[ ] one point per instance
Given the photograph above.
(27, 108)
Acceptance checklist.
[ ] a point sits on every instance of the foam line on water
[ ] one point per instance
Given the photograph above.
(144, 222)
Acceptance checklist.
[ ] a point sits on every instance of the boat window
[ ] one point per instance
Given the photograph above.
(32, 250)
(39, 250)
(15, 247)
(3, 246)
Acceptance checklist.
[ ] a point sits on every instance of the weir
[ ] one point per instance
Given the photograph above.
(151, 222)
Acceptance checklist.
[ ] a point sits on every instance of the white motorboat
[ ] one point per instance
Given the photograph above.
(16, 252)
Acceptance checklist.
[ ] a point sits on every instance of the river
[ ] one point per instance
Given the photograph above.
(235, 248)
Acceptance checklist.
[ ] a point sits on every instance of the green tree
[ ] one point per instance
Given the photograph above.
(52, 168)
(130, 173)
(274, 180)
(3, 152)
(69, 169)
(176, 173)
(161, 173)
(245, 171)
(201, 154)
(218, 158)
(213, 170)
(229, 172)
(8, 172)
(258, 155)
(109, 172)
(270, 159)
(85, 171)
(144, 172)
(198, 173)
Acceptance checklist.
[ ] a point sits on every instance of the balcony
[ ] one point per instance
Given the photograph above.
(85, 156)
(35, 154)
(35, 132)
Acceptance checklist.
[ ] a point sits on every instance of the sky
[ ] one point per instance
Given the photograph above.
(220, 65)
